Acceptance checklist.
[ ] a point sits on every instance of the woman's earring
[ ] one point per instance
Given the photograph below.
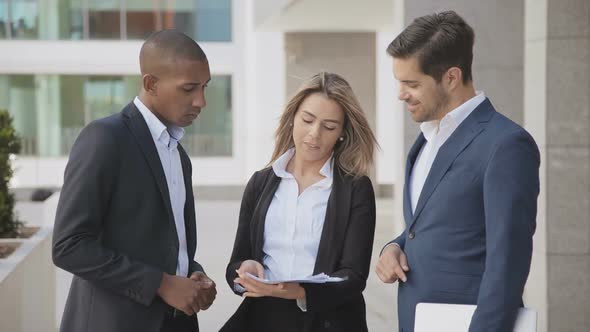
(341, 138)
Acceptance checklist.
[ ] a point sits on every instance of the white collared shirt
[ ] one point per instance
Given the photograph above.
(436, 134)
(294, 223)
(166, 141)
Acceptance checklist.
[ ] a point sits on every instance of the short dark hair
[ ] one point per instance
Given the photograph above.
(439, 41)
(169, 44)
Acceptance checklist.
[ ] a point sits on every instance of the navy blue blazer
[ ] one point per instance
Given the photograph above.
(470, 239)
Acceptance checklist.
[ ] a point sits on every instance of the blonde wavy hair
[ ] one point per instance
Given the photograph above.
(353, 155)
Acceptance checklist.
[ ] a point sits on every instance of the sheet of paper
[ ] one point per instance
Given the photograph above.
(315, 279)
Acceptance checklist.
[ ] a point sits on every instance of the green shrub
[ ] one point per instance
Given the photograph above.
(9, 144)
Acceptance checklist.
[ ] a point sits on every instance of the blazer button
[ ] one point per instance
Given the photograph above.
(411, 235)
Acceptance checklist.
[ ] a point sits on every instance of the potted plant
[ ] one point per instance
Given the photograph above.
(10, 226)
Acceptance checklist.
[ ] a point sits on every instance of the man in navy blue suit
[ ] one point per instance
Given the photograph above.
(471, 184)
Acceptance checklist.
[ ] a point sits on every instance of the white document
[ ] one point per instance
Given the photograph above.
(321, 278)
(441, 317)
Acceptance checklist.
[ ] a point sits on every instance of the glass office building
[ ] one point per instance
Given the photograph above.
(203, 20)
(50, 109)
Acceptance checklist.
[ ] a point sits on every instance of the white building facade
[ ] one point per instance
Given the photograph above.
(66, 63)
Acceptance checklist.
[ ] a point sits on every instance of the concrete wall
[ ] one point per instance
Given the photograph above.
(557, 113)
(349, 54)
(27, 286)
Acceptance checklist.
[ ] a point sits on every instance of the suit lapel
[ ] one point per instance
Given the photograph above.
(470, 128)
(412, 155)
(189, 207)
(337, 213)
(138, 127)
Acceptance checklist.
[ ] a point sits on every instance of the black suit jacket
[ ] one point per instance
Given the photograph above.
(344, 251)
(114, 228)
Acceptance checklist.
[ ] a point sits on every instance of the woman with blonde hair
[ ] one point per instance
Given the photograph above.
(310, 211)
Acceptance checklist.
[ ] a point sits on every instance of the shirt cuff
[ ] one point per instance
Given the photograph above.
(302, 304)
(238, 288)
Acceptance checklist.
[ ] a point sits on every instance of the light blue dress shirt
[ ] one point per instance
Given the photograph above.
(166, 141)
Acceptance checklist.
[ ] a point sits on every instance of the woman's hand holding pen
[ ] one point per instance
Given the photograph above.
(253, 267)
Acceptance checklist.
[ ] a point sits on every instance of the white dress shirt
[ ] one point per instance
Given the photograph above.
(294, 223)
(436, 134)
(166, 141)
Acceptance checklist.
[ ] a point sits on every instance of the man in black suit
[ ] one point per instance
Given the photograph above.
(125, 224)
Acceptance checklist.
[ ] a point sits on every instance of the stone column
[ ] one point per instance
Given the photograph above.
(557, 113)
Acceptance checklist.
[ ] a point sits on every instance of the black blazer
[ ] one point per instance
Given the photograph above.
(114, 228)
(344, 251)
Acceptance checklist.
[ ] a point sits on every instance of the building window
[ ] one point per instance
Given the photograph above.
(211, 134)
(104, 19)
(19, 19)
(213, 20)
(88, 98)
(73, 20)
(17, 95)
(49, 111)
(4, 21)
(143, 18)
(203, 20)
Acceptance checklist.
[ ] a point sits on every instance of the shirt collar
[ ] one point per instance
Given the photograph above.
(157, 129)
(452, 119)
(280, 168)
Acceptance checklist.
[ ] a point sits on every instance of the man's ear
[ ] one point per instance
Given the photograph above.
(150, 83)
(453, 78)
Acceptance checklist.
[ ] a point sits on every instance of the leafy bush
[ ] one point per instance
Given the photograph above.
(9, 144)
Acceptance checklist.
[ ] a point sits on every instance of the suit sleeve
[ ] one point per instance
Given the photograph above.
(242, 245)
(90, 176)
(356, 254)
(195, 267)
(510, 189)
(400, 241)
